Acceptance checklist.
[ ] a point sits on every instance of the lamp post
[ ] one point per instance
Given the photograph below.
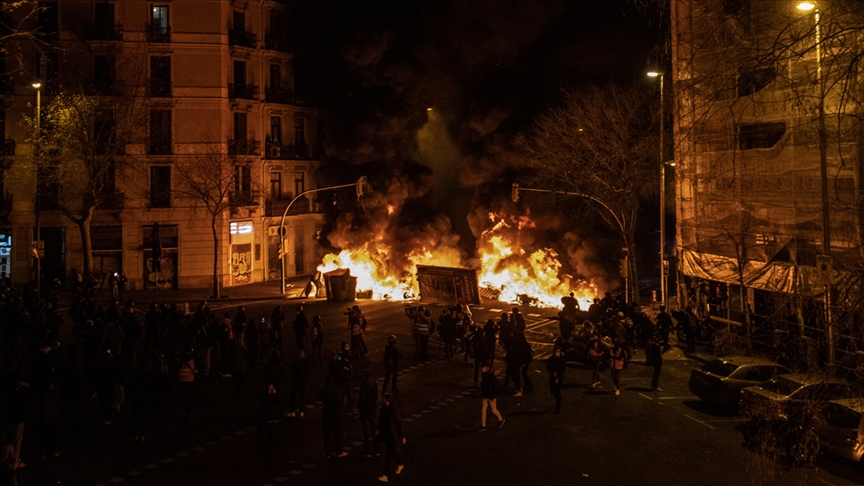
(359, 187)
(38, 87)
(663, 282)
(823, 171)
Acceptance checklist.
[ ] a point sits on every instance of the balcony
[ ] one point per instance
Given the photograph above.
(242, 91)
(244, 147)
(158, 33)
(104, 32)
(284, 96)
(7, 146)
(277, 43)
(244, 198)
(113, 201)
(242, 38)
(289, 152)
(276, 207)
(47, 202)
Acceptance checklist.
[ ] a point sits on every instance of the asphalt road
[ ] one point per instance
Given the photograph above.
(640, 437)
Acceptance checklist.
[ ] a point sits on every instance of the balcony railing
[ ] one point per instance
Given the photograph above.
(113, 200)
(7, 146)
(242, 37)
(276, 207)
(279, 95)
(289, 152)
(105, 32)
(275, 43)
(244, 147)
(157, 33)
(244, 198)
(242, 91)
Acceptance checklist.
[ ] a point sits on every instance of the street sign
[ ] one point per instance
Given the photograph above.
(39, 248)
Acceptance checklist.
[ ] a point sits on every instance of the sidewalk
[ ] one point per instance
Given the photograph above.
(258, 291)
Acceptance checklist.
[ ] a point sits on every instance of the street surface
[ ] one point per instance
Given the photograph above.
(640, 437)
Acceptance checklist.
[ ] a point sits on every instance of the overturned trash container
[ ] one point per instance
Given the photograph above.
(340, 285)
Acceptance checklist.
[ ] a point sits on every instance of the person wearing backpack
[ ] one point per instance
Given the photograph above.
(489, 390)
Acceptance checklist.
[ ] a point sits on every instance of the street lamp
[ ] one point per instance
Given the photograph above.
(823, 170)
(359, 185)
(38, 87)
(663, 283)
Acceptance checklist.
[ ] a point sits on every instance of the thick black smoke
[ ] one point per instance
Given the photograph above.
(484, 68)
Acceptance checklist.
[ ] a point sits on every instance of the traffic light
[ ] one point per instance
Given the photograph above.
(624, 268)
(514, 194)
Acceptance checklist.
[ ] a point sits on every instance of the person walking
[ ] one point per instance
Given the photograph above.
(489, 390)
(555, 365)
(186, 377)
(422, 330)
(300, 371)
(391, 364)
(391, 433)
(317, 340)
(367, 403)
(478, 345)
(277, 320)
(517, 320)
(268, 418)
(595, 357)
(333, 411)
(356, 328)
(226, 344)
(618, 356)
(654, 353)
(300, 325)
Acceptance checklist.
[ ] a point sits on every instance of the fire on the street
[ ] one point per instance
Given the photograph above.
(510, 271)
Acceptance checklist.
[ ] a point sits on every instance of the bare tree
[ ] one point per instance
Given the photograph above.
(600, 143)
(215, 182)
(78, 149)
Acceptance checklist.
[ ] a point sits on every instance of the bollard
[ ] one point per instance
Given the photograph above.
(654, 296)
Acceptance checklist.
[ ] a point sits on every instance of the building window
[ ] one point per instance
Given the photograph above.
(276, 130)
(104, 132)
(755, 80)
(240, 73)
(160, 132)
(48, 21)
(160, 29)
(47, 72)
(243, 183)
(735, 7)
(275, 184)
(239, 21)
(160, 186)
(275, 76)
(103, 25)
(300, 135)
(760, 135)
(299, 182)
(103, 74)
(240, 126)
(160, 76)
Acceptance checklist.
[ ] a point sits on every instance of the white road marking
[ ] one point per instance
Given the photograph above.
(167, 460)
(133, 473)
(409, 419)
(151, 467)
(823, 481)
(699, 421)
(675, 398)
(538, 315)
(309, 465)
(282, 479)
(116, 480)
(183, 454)
(296, 472)
(502, 310)
(197, 449)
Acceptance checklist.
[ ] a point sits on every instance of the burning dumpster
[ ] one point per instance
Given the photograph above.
(340, 285)
(448, 285)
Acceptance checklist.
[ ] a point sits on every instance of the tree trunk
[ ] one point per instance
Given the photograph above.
(83, 224)
(216, 293)
(745, 313)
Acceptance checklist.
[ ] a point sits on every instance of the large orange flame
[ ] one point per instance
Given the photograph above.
(505, 267)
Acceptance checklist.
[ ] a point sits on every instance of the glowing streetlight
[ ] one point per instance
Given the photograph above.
(663, 282)
(38, 87)
(806, 6)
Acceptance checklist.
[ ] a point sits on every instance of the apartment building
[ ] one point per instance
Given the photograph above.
(176, 81)
(767, 146)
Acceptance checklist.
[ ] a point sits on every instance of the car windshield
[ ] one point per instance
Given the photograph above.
(848, 420)
(781, 386)
(719, 368)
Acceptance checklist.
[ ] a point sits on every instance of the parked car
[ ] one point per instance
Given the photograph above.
(842, 430)
(720, 381)
(785, 394)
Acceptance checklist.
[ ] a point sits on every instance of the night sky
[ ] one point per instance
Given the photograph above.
(486, 68)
